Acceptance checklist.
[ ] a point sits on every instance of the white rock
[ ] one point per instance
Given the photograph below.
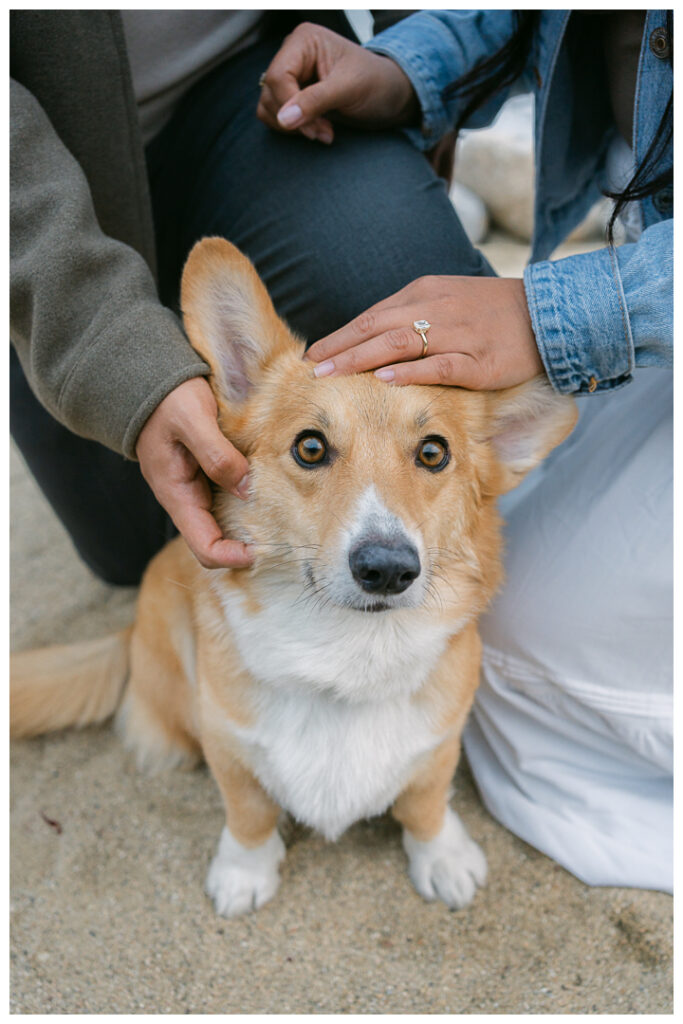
(497, 163)
(472, 212)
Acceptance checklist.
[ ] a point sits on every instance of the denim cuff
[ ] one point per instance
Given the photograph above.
(581, 323)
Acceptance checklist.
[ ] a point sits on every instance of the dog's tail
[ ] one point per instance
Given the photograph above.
(75, 684)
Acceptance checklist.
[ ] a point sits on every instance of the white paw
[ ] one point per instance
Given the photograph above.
(240, 878)
(448, 867)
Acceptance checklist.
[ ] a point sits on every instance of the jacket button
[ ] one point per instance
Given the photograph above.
(660, 43)
(664, 199)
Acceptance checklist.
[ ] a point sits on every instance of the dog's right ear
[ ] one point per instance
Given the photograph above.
(525, 423)
(229, 317)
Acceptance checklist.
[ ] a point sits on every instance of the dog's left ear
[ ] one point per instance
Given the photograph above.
(525, 424)
(229, 318)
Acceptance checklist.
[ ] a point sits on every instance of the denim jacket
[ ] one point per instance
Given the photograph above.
(597, 315)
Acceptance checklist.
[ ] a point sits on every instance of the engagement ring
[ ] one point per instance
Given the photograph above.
(421, 327)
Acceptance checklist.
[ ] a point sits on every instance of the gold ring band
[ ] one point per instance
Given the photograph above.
(421, 327)
(262, 79)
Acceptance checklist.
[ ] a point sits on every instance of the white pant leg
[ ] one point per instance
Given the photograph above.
(571, 733)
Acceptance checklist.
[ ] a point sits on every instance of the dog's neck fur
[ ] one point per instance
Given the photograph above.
(291, 644)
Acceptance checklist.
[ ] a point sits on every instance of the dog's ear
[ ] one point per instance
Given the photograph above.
(525, 423)
(229, 317)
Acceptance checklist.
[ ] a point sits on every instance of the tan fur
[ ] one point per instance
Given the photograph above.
(449, 693)
(250, 813)
(72, 685)
(421, 806)
(187, 680)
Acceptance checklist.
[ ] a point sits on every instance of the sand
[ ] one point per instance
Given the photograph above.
(107, 871)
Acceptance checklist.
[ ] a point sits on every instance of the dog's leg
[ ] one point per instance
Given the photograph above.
(244, 872)
(156, 716)
(444, 863)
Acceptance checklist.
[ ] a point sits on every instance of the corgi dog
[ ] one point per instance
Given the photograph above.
(332, 678)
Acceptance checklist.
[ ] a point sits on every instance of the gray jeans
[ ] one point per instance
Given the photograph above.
(331, 230)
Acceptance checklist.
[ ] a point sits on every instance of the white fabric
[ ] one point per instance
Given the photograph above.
(570, 739)
(169, 51)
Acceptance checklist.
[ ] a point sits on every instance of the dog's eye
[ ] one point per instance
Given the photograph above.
(310, 449)
(433, 454)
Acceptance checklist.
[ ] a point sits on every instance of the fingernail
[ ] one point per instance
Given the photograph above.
(324, 369)
(309, 132)
(290, 116)
(325, 136)
(385, 374)
(242, 488)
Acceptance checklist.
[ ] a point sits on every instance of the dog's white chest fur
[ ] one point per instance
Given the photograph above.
(336, 735)
(331, 763)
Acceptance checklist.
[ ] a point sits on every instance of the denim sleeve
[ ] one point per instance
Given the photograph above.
(434, 48)
(598, 315)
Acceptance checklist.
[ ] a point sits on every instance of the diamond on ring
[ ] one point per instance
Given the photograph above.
(421, 327)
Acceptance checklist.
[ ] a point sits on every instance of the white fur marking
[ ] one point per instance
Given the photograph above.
(331, 763)
(448, 867)
(304, 646)
(373, 520)
(241, 879)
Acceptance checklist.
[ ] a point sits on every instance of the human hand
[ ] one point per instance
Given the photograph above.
(355, 83)
(178, 445)
(480, 336)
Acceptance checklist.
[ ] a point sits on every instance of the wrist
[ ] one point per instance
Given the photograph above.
(401, 96)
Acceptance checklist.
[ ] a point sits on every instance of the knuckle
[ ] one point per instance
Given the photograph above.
(365, 323)
(429, 285)
(351, 361)
(401, 340)
(304, 30)
(443, 368)
(220, 464)
(206, 560)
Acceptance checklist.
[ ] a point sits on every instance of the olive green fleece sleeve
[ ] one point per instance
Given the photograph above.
(98, 348)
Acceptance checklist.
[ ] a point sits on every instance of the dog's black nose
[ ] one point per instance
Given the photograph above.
(384, 568)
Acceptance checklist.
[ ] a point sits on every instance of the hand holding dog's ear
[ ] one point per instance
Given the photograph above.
(178, 445)
(339, 76)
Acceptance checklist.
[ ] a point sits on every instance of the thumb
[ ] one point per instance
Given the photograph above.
(219, 459)
(310, 103)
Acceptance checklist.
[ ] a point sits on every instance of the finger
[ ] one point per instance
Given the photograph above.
(312, 102)
(450, 368)
(387, 316)
(318, 130)
(396, 345)
(219, 459)
(272, 101)
(267, 108)
(294, 63)
(204, 538)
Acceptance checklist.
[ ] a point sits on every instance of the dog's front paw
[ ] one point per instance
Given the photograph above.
(240, 878)
(448, 867)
